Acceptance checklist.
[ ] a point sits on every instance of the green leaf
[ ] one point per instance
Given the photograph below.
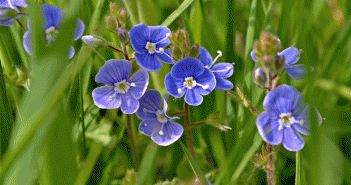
(177, 12)
(198, 173)
(147, 162)
(298, 169)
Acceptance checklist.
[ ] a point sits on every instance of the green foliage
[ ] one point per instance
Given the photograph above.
(59, 136)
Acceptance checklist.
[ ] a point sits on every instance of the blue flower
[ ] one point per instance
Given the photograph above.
(155, 122)
(221, 70)
(53, 17)
(285, 116)
(190, 76)
(121, 91)
(9, 11)
(291, 56)
(148, 43)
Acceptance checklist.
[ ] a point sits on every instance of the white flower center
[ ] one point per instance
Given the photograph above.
(160, 117)
(189, 82)
(151, 47)
(286, 120)
(51, 34)
(122, 87)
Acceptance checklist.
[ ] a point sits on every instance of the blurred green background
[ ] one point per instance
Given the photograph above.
(42, 140)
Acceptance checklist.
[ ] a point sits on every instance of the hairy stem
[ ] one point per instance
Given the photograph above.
(188, 129)
(132, 141)
(116, 49)
(271, 174)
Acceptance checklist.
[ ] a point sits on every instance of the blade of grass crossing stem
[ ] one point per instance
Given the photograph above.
(174, 15)
(298, 168)
(18, 39)
(249, 42)
(198, 173)
(89, 163)
(148, 160)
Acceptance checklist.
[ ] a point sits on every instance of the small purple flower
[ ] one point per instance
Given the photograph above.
(291, 56)
(121, 91)
(9, 11)
(284, 117)
(53, 17)
(155, 122)
(190, 76)
(148, 43)
(221, 70)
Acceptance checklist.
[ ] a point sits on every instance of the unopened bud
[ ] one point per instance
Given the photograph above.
(114, 9)
(111, 23)
(123, 16)
(260, 77)
(122, 35)
(176, 53)
(194, 51)
(93, 41)
(7, 14)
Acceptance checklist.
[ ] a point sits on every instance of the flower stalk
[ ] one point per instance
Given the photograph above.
(188, 130)
(132, 141)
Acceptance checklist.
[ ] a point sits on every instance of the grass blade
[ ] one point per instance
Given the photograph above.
(146, 163)
(177, 12)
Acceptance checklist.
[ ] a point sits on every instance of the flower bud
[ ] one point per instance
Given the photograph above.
(111, 23)
(7, 14)
(194, 51)
(123, 17)
(176, 53)
(122, 35)
(94, 41)
(114, 10)
(260, 77)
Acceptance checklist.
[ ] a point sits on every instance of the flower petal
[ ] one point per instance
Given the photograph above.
(205, 57)
(165, 106)
(79, 30)
(106, 98)
(304, 126)
(7, 23)
(187, 67)
(296, 71)
(158, 33)
(268, 128)
(292, 140)
(193, 98)
(71, 52)
(166, 57)
(172, 85)
(167, 134)
(53, 16)
(114, 71)
(139, 36)
(149, 126)
(291, 55)
(253, 56)
(21, 3)
(148, 61)
(223, 84)
(140, 81)
(223, 70)
(150, 103)
(206, 79)
(129, 104)
(283, 99)
(27, 42)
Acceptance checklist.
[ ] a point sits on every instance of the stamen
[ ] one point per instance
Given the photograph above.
(203, 86)
(223, 70)
(132, 84)
(112, 98)
(161, 133)
(180, 90)
(219, 55)
(161, 50)
(167, 35)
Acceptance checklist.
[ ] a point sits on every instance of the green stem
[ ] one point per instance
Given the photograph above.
(271, 174)
(298, 168)
(188, 130)
(82, 109)
(132, 141)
